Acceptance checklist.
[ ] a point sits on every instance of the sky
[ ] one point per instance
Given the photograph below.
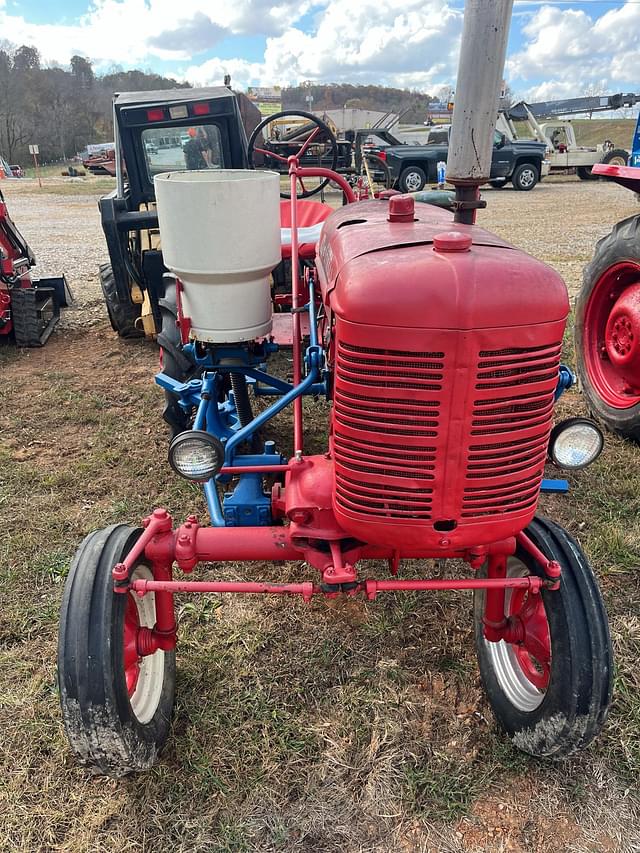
(561, 48)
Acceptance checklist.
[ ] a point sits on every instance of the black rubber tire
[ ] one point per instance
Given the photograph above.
(102, 728)
(417, 183)
(616, 154)
(623, 243)
(520, 178)
(585, 173)
(498, 184)
(175, 362)
(122, 315)
(576, 702)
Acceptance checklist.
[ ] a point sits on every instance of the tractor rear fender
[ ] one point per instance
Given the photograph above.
(626, 176)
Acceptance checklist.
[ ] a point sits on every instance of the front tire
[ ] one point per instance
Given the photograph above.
(116, 706)
(123, 316)
(550, 707)
(607, 361)
(412, 180)
(525, 177)
(585, 173)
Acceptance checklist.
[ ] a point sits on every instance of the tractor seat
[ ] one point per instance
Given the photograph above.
(311, 215)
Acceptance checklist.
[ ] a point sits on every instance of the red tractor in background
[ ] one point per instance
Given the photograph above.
(29, 307)
(607, 325)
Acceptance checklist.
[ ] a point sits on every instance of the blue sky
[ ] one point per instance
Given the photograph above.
(556, 49)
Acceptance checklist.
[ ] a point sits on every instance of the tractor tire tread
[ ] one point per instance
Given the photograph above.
(122, 315)
(99, 726)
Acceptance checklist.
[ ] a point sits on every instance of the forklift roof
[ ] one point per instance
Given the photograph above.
(161, 96)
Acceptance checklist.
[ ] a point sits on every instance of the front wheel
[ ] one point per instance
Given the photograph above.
(123, 316)
(412, 180)
(585, 173)
(525, 177)
(551, 691)
(116, 704)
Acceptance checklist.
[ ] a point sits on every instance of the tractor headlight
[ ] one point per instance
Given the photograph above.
(196, 455)
(575, 443)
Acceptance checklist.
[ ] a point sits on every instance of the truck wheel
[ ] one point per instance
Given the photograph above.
(116, 705)
(617, 157)
(607, 330)
(525, 177)
(551, 692)
(412, 180)
(122, 315)
(174, 361)
(585, 173)
(498, 184)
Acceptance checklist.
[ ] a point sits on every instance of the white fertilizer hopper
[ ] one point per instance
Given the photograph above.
(220, 233)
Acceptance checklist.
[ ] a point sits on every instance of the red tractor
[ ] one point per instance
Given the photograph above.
(29, 308)
(608, 319)
(438, 345)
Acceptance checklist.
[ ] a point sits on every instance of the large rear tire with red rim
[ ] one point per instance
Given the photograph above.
(607, 330)
(550, 692)
(116, 704)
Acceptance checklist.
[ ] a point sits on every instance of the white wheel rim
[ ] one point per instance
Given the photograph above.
(527, 178)
(145, 699)
(413, 181)
(504, 662)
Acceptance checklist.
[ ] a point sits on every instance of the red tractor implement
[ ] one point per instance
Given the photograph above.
(29, 308)
(607, 330)
(438, 345)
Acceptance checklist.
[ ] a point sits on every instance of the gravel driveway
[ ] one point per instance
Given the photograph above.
(559, 222)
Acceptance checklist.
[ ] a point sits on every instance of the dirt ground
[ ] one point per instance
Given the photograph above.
(341, 726)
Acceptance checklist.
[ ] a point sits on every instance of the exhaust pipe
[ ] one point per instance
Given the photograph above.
(482, 53)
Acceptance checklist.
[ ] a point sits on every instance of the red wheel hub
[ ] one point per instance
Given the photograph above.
(612, 335)
(130, 641)
(533, 652)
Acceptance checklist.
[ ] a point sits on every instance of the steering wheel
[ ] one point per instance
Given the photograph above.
(313, 144)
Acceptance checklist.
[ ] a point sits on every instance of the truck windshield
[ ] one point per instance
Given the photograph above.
(171, 149)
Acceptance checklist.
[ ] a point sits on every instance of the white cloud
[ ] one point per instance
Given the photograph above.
(408, 43)
(569, 51)
(134, 31)
(394, 42)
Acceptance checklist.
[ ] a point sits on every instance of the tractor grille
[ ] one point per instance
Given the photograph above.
(510, 426)
(386, 426)
(419, 437)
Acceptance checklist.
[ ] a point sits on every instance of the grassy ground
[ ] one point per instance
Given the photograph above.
(341, 726)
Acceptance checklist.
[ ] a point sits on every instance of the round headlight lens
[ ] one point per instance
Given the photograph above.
(575, 443)
(196, 455)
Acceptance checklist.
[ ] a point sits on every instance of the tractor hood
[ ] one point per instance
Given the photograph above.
(384, 273)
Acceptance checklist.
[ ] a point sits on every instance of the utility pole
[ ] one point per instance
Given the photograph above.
(482, 55)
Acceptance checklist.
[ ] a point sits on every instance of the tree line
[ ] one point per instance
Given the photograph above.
(61, 110)
(64, 109)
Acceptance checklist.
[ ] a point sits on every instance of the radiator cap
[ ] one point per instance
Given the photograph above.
(401, 208)
(452, 241)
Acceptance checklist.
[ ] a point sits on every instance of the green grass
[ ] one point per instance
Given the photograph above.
(338, 726)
